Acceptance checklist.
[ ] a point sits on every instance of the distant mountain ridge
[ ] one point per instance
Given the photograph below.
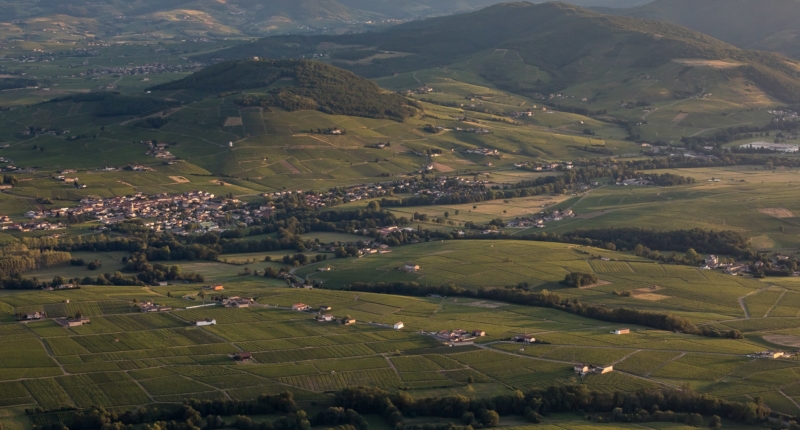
(246, 17)
(563, 40)
(768, 25)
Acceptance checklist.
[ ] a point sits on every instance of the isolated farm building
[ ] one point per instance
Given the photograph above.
(325, 318)
(524, 338)
(152, 307)
(205, 322)
(30, 316)
(622, 331)
(398, 325)
(325, 308)
(162, 283)
(478, 333)
(771, 354)
(77, 322)
(238, 302)
(217, 288)
(602, 369)
(581, 369)
(411, 268)
(457, 335)
(348, 321)
(243, 356)
(300, 307)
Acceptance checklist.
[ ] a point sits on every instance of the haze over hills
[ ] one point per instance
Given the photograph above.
(571, 47)
(769, 25)
(172, 18)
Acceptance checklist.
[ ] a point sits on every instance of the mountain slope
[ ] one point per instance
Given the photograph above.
(574, 46)
(769, 25)
(297, 85)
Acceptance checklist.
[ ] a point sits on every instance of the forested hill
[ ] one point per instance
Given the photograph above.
(566, 41)
(768, 25)
(298, 85)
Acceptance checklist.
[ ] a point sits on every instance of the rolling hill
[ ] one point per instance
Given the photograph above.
(298, 85)
(769, 25)
(572, 46)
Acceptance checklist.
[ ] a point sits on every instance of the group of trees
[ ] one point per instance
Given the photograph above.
(549, 299)
(16, 257)
(651, 404)
(193, 414)
(686, 246)
(641, 406)
(579, 279)
(629, 238)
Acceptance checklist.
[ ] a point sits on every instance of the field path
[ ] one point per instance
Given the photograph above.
(52, 356)
(565, 362)
(625, 357)
(744, 305)
(783, 294)
(662, 366)
(141, 387)
(392, 366)
(797, 405)
(744, 308)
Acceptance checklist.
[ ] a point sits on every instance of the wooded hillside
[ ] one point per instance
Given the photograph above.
(561, 39)
(309, 86)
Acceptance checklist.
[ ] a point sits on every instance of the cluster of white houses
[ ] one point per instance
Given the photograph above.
(160, 212)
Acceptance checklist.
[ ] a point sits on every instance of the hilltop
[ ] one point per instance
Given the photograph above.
(571, 45)
(769, 25)
(298, 85)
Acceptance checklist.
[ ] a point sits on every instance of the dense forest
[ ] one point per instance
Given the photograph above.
(309, 86)
(520, 296)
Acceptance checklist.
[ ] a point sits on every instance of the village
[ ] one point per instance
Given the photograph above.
(134, 70)
(549, 167)
(539, 220)
(179, 214)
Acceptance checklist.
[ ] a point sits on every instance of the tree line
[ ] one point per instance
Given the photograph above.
(517, 295)
(464, 413)
(18, 258)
